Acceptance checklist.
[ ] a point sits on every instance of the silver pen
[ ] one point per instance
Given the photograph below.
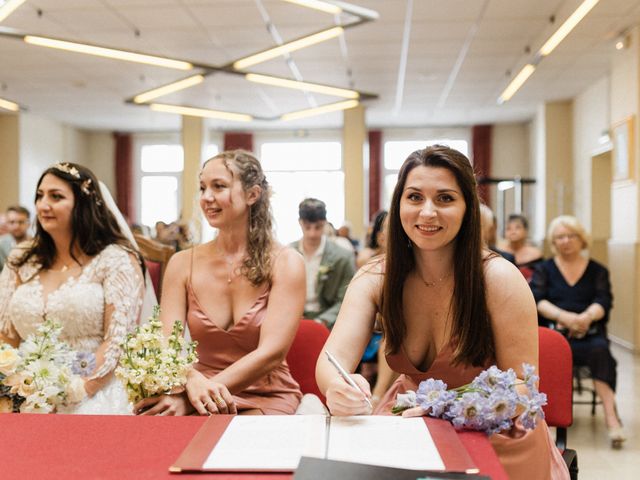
(347, 378)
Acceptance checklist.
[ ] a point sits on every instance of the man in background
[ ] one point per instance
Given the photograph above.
(329, 267)
(17, 221)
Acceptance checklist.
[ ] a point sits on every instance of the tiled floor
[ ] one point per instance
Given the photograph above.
(588, 435)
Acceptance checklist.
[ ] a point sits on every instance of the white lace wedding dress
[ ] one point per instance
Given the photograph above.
(108, 282)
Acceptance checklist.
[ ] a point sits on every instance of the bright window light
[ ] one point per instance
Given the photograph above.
(297, 170)
(162, 158)
(159, 199)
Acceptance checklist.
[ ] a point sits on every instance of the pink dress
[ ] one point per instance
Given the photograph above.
(277, 393)
(529, 454)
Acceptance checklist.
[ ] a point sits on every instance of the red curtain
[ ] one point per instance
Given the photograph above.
(124, 174)
(375, 171)
(235, 140)
(481, 150)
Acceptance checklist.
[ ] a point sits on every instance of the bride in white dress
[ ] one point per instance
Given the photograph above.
(81, 271)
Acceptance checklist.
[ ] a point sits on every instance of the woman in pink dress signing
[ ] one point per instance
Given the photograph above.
(449, 307)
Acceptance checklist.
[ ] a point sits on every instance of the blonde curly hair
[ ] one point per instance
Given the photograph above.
(257, 266)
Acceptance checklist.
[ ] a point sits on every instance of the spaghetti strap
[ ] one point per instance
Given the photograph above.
(191, 264)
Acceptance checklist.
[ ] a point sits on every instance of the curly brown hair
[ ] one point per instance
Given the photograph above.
(257, 266)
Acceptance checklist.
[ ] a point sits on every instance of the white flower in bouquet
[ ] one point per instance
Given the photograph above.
(152, 364)
(38, 373)
(8, 359)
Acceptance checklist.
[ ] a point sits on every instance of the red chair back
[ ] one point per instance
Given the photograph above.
(154, 269)
(556, 377)
(304, 353)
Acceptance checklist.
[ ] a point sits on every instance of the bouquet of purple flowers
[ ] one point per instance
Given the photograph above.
(489, 403)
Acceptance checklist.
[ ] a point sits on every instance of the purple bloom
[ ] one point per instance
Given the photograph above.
(529, 377)
(84, 364)
(468, 411)
(493, 378)
(533, 412)
(433, 394)
(501, 406)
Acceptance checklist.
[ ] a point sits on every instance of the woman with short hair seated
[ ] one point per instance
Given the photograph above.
(573, 295)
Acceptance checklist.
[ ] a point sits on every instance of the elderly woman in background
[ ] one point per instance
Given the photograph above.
(573, 295)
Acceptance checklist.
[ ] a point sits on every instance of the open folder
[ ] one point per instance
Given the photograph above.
(276, 443)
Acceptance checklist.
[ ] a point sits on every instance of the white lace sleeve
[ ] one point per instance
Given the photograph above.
(8, 283)
(123, 291)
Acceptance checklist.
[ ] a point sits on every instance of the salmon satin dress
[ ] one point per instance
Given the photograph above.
(525, 454)
(277, 393)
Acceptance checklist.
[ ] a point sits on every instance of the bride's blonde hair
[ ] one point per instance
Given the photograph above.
(260, 239)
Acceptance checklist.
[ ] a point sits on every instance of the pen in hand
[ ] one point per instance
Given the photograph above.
(347, 378)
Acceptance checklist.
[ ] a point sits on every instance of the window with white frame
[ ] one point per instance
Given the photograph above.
(160, 162)
(161, 167)
(397, 151)
(301, 169)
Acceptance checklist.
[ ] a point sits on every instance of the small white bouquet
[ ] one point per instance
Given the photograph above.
(152, 364)
(489, 403)
(38, 376)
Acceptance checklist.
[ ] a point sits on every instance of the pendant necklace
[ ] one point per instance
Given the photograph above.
(435, 282)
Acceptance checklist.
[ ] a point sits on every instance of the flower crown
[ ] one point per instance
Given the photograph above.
(73, 171)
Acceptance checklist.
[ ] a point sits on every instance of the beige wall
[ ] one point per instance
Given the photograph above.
(30, 143)
(590, 123)
(611, 209)
(9, 160)
(354, 136)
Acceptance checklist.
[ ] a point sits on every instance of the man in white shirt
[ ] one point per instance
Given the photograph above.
(329, 267)
(17, 221)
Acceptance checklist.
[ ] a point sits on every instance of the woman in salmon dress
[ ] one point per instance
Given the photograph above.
(241, 295)
(449, 307)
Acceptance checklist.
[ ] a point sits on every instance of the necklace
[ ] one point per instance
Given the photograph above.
(435, 282)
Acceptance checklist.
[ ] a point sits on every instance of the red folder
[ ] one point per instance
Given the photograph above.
(454, 455)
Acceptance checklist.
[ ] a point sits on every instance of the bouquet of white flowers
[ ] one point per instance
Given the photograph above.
(39, 375)
(152, 364)
(489, 403)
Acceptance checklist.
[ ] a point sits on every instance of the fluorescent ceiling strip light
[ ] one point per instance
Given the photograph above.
(107, 52)
(167, 89)
(8, 8)
(567, 26)
(7, 105)
(288, 47)
(200, 112)
(318, 5)
(516, 83)
(295, 84)
(309, 112)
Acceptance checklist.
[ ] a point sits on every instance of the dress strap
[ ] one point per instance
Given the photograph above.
(191, 264)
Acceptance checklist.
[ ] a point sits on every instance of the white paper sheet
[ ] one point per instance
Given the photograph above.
(384, 440)
(268, 442)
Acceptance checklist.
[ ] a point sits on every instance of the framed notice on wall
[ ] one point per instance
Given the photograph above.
(622, 134)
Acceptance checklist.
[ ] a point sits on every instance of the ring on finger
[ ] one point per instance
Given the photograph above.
(219, 401)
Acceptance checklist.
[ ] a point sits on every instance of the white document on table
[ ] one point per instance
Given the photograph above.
(277, 442)
(388, 441)
(268, 442)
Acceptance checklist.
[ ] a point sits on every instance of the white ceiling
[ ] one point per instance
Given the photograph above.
(89, 92)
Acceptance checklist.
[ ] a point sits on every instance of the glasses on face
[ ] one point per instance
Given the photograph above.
(566, 236)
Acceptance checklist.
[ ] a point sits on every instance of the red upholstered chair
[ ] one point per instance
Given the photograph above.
(556, 380)
(304, 353)
(156, 256)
